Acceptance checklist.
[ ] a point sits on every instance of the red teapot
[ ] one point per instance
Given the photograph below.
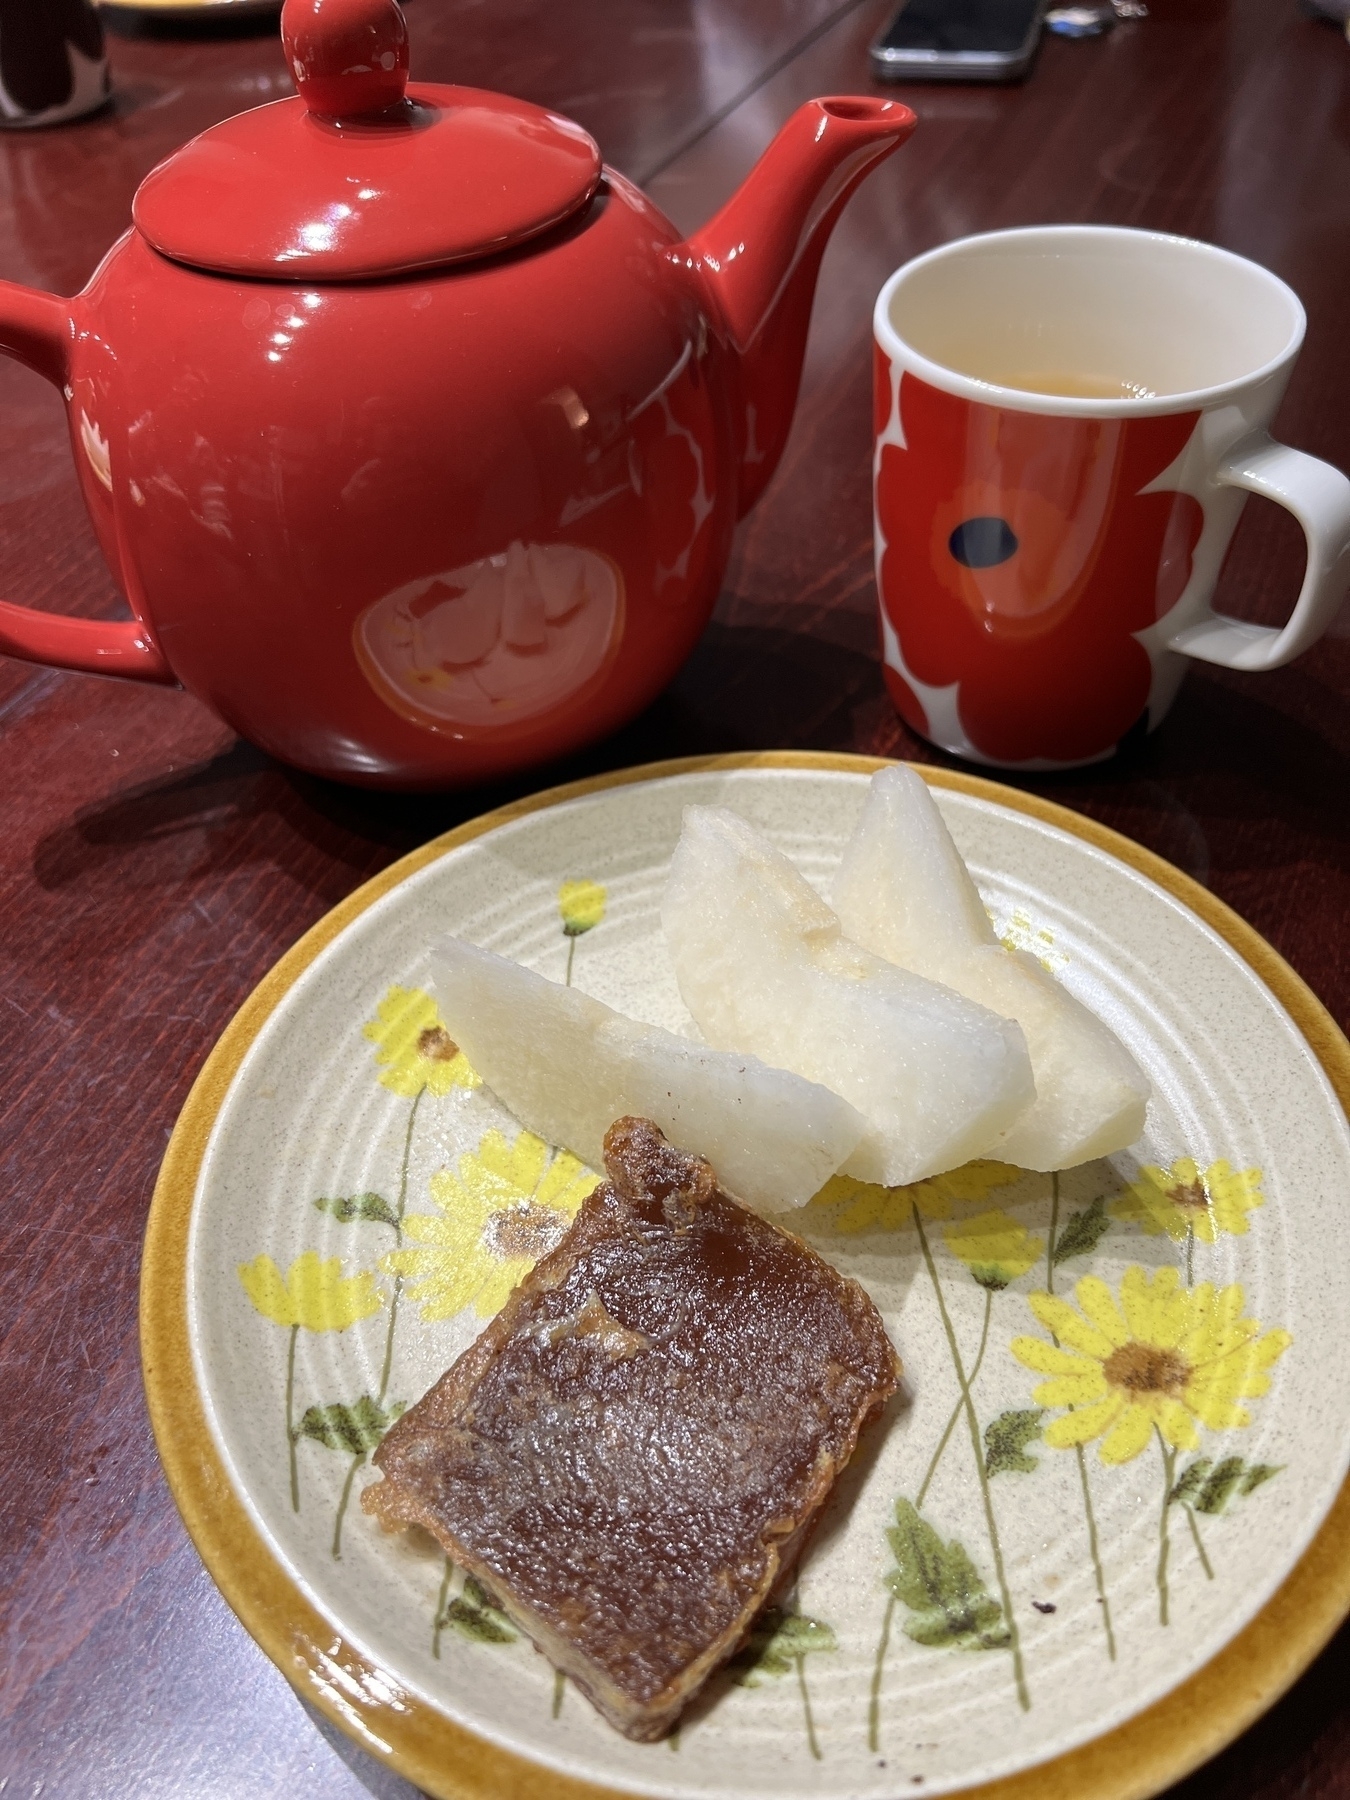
(414, 436)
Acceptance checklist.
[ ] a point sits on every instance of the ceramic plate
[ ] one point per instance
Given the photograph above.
(1097, 1533)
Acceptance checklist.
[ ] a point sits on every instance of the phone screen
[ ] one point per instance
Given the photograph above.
(990, 25)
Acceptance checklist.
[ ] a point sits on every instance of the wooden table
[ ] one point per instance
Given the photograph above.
(153, 867)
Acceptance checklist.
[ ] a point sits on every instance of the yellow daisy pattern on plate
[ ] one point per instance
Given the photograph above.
(1186, 1199)
(864, 1206)
(313, 1295)
(508, 1205)
(994, 1247)
(413, 1047)
(1160, 1355)
(1020, 933)
(582, 906)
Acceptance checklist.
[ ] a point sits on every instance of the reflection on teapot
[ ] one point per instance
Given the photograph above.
(505, 638)
(415, 437)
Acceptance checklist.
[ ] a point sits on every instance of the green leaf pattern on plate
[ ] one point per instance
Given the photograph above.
(948, 1602)
(1006, 1439)
(372, 1208)
(355, 1427)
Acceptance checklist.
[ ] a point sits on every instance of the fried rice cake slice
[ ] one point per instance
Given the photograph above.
(629, 1458)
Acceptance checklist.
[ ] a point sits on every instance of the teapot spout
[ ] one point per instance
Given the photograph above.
(759, 257)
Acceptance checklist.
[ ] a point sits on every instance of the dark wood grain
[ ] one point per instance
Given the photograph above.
(152, 867)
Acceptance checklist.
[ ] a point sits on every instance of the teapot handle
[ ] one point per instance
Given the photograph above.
(37, 329)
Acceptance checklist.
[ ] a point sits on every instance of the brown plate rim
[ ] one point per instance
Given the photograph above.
(1132, 1761)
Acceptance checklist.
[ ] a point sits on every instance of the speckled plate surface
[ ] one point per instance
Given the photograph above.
(1102, 1527)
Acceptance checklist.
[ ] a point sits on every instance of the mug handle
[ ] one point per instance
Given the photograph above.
(36, 329)
(1319, 498)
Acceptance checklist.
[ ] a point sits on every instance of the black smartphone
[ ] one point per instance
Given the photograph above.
(959, 40)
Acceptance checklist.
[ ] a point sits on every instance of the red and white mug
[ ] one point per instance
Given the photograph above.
(1068, 421)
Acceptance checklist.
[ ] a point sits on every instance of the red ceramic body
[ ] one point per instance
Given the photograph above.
(426, 529)
(1043, 647)
(287, 457)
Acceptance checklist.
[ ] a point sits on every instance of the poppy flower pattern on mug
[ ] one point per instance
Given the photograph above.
(1018, 556)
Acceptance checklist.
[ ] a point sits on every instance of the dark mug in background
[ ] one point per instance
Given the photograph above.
(52, 62)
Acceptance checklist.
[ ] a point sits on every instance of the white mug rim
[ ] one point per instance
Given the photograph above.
(988, 393)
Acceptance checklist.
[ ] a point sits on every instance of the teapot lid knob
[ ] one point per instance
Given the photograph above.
(349, 57)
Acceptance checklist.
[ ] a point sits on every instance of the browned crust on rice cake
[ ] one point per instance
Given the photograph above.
(630, 1455)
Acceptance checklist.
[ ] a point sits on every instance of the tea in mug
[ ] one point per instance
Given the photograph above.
(1071, 385)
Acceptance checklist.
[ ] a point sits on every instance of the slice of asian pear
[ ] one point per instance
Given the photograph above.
(903, 891)
(567, 1066)
(764, 967)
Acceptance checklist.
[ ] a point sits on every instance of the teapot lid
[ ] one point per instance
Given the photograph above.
(363, 175)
